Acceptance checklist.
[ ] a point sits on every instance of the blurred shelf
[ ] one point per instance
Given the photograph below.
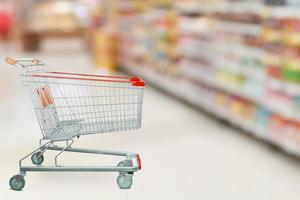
(239, 27)
(281, 11)
(189, 7)
(220, 51)
(241, 7)
(259, 99)
(291, 88)
(181, 90)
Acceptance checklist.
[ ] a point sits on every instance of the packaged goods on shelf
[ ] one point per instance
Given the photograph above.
(152, 38)
(239, 60)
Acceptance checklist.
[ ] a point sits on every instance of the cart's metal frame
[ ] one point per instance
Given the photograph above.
(49, 145)
(126, 168)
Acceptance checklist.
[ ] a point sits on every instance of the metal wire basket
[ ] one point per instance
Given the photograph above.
(69, 104)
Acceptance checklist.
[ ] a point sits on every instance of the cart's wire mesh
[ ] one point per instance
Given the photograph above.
(69, 107)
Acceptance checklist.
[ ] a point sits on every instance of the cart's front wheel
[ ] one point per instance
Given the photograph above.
(17, 182)
(37, 158)
(125, 163)
(124, 181)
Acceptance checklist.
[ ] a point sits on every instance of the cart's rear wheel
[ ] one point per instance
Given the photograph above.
(124, 181)
(17, 182)
(37, 158)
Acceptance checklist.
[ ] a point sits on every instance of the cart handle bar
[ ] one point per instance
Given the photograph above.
(135, 81)
(12, 61)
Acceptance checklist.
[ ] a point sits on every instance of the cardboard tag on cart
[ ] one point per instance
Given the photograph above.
(45, 96)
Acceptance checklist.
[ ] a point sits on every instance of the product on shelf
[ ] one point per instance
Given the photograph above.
(153, 39)
(262, 116)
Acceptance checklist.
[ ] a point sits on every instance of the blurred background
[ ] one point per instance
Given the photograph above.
(221, 110)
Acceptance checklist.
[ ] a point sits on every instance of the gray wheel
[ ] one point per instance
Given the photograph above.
(125, 163)
(17, 182)
(37, 158)
(124, 181)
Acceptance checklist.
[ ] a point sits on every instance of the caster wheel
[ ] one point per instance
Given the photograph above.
(124, 182)
(37, 158)
(17, 182)
(125, 163)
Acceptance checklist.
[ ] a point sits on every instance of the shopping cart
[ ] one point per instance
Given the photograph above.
(70, 105)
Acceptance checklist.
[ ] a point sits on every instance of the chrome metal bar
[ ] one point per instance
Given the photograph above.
(40, 141)
(79, 169)
(91, 151)
(62, 150)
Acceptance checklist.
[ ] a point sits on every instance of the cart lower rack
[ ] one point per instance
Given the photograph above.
(69, 105)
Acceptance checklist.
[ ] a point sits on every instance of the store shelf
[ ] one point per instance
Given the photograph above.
(190, 8)
(216, 59)
(239, 27)
(187, 7)
(180, 89)
(281, 11)
(208, 80)
(290, 88)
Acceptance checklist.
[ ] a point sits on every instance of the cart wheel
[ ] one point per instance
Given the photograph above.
(125, 163)
(17, 182)
(37, 158)
(124, 182)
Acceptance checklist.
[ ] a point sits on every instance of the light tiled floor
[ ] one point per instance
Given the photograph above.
(186, 155)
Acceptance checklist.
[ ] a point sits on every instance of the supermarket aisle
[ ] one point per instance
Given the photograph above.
(184, 152)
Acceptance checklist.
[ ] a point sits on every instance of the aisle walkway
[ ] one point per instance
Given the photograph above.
(186, 155)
